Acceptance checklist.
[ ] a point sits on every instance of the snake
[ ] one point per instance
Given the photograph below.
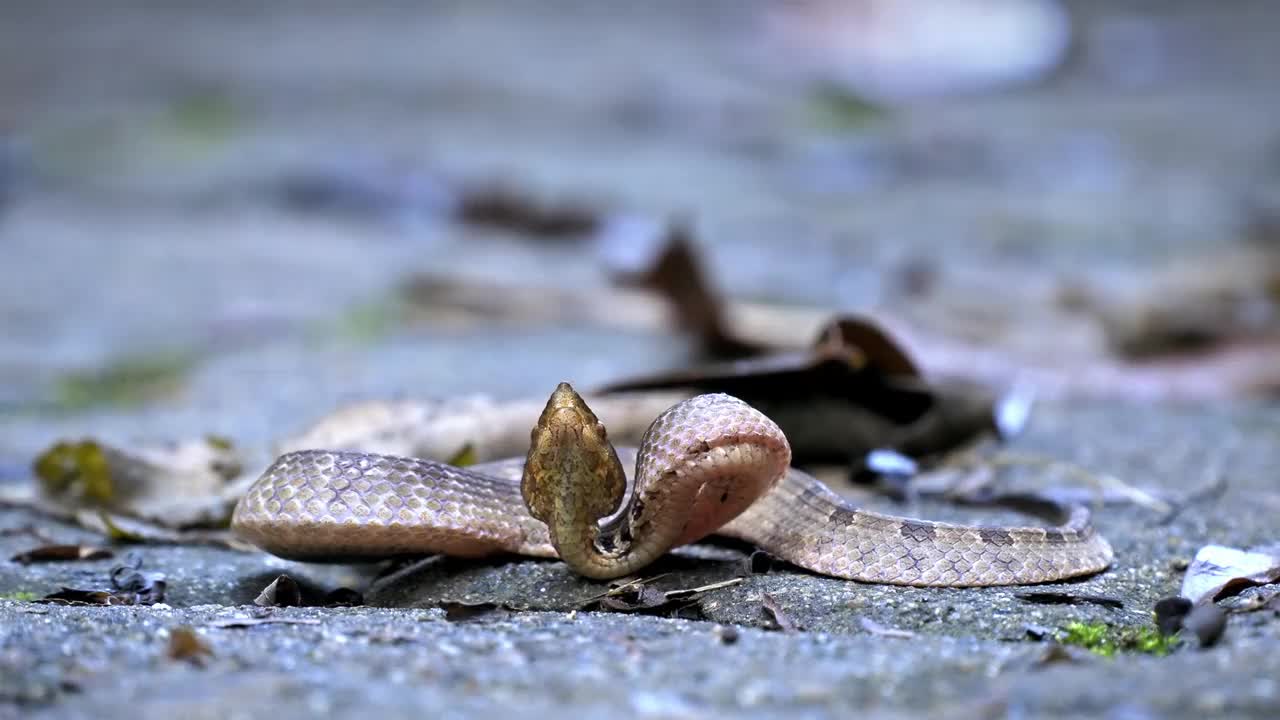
(709, 464)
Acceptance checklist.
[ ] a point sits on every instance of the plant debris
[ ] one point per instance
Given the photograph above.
(185, 645)
(1061, 598)
(495, 205)
(281, 592)
(638, 595)
(248, 622)
(676, 273)
(1218, 572)
(776, 616)
(465, 612)
(178, 486)
(61, 553)
(73, 596)
(343, 597)
(147, 588)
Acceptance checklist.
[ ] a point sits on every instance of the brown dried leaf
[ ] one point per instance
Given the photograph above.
(775, 614)
(186, 645)
(677, 273)
(60, 553)
(72, 596)
(464, 612)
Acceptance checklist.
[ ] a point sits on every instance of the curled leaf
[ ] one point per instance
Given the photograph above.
(281, 592)
(1218, 571)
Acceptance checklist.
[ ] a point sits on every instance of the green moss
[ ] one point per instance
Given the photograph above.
(128, 381)
(1106, 640)
(20, 596)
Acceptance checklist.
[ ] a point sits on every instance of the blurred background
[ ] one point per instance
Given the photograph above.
(233, 218)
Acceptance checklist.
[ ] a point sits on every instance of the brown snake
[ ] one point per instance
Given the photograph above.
(709, 464)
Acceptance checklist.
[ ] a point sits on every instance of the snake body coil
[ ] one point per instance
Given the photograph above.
(710, 464)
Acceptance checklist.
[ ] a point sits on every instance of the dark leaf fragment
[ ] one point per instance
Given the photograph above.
(247, 622)
(343, 597)
(463, 612)
(1060, 598)
(60, 553)
(146, 588)
(72, 596)
(508, 209)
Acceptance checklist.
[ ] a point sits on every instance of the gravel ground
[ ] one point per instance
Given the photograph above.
(140, 219)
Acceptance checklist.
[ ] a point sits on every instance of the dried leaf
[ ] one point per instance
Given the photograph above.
(72, 596)
(876, 628)
(508, 209)
(1062, 598)
(463, 612)
(146, 588)
(774, 613)
(247, 622)
(677, 273)
(185, 644)
(59, 553)
(343, 597)
(1218, 571)
(639, 596)
(281, 592)
(636, 597)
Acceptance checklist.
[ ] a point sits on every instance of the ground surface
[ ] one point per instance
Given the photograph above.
(138, 221)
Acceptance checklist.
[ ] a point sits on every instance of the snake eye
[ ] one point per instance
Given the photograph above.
(600, 430)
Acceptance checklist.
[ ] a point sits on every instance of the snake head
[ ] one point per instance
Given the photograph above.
(572, 476)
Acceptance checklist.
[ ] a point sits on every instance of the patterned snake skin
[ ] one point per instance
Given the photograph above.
(710, 464)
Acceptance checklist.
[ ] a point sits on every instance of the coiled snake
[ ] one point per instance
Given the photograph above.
(708, 464)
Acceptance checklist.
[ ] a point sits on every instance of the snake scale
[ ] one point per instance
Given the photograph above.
(708, 464)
